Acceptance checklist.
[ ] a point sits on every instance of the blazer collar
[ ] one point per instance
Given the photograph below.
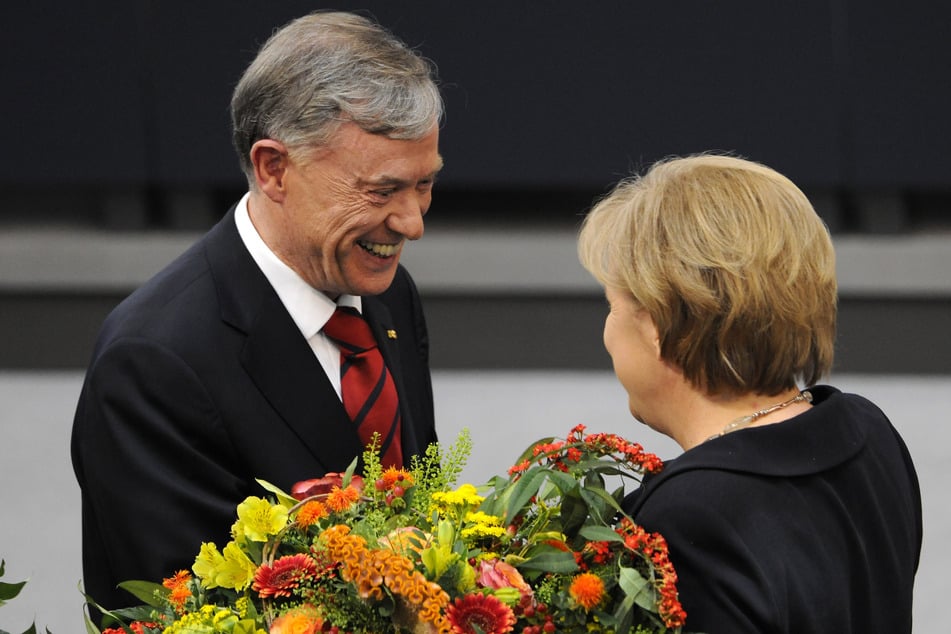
(279, 361)
(829, 434)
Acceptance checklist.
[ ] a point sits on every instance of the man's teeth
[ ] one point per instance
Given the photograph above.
(381, 250)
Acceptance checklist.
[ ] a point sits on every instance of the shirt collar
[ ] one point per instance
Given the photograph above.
(309, 308)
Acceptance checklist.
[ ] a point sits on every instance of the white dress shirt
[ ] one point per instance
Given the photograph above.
(309, 308)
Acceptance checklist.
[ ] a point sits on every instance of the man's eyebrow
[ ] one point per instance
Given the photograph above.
(386, 180)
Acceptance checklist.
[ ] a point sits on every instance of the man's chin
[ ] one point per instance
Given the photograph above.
(371, 285)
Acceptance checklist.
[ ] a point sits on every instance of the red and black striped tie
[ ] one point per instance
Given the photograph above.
(369, 394)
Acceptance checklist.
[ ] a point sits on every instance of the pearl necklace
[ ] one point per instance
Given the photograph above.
(743, 421)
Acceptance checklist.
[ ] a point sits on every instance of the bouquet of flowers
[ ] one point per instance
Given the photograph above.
(545, 549)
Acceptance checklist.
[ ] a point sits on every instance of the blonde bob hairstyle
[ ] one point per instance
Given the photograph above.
(733, 265)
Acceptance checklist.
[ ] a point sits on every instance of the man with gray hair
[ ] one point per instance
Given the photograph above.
(289, 337)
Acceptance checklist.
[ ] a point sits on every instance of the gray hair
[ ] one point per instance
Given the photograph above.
(327, 68)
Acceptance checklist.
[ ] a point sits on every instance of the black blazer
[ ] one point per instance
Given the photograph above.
(809, 525)
(200, 382)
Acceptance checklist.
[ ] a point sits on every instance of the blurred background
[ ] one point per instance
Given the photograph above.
(119, 156)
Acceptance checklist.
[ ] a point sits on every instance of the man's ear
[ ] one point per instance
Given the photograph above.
(270, 161)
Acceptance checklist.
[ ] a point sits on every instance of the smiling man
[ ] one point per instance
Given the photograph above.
(288, 337)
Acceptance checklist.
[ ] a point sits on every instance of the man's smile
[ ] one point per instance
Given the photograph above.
(378, 249)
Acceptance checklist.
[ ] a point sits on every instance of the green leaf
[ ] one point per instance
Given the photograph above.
(348, 474)
(10, 590)
(147, 592)
(529, 453)
(281, 496)
(600, 534)
(600, 500)
(564, 482)
(522, 492)
(637, 588)
(246, 626)
(574, 513)
(551, 561)
(90, 627)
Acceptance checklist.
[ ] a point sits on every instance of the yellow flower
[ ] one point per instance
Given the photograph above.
(465, 495)
(237, 570)
(258, 519)
(455, 504)
(483, 525)
(231, 569)
(207, 563)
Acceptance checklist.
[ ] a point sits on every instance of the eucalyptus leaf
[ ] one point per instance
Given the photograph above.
(529, 452)
(147, 592)
(90, 626)
(114, 615)
(10, 590)
(574, 512)
(522, 492)
(282, 497)
(348, 474)
(625, 614)
(593, 480)
(602, 502)
(635, 586)
(564, 482)
(600, 534)
(552, 561)
(246, 626)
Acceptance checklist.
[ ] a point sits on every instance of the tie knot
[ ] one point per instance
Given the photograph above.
(347, 328)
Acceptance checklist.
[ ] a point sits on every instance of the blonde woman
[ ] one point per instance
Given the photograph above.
(794, 507)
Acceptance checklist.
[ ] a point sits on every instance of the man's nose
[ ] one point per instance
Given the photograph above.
(407, 219)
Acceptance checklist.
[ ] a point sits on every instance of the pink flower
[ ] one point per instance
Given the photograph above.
(495, 573)
(321, 486)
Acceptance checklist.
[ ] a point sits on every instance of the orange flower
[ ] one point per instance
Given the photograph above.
(303, 620)
(393, 476)
(310, 513)
(587, 589)
(342, 499)
(179, 592)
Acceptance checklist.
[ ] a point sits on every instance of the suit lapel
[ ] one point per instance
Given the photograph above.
(283, 366)
(381, 323)
(276, 356)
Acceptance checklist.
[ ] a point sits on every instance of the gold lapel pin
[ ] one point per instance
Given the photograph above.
(391, 334)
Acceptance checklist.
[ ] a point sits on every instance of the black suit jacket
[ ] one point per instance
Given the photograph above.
(200, 382)
(809, 525)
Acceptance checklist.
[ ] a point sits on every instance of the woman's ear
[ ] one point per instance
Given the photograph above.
(270, 161)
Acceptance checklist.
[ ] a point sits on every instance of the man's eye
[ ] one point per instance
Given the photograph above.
(383, 193)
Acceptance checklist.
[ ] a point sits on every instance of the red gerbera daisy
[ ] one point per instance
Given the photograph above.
(286, 574)
(484, 611)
